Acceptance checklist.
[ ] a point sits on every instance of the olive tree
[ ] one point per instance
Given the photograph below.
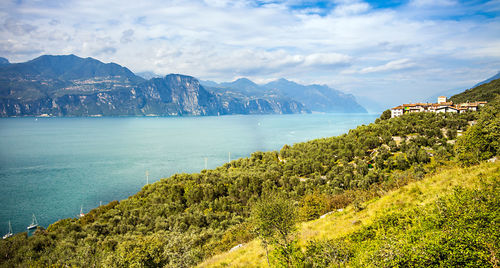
(274, 218)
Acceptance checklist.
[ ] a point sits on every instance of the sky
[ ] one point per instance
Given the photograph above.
(383, 52)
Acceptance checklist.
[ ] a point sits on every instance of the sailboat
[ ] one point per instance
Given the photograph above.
(34, 223)
(9, 234)
(81, 212)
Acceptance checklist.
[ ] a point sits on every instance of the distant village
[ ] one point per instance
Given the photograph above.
(442, 106)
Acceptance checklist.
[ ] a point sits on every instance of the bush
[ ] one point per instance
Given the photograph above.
(327, 253)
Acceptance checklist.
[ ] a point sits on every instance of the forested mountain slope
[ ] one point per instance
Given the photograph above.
(483, 92)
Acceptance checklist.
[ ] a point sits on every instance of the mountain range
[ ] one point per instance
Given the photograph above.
(68, 85)
(318, 98)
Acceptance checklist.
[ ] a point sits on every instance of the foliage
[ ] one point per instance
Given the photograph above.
(452, 204)
(460, 230)
(312, 206)
(386, 115)
(485, 92)
(482, 140)
(327, 253)
(274, 218)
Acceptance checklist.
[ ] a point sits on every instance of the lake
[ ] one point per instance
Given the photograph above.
(52, 167)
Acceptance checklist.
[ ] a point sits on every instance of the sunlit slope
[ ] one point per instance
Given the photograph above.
(344, 223)
(484, 92)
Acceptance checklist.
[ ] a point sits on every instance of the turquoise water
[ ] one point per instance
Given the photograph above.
(53, 166)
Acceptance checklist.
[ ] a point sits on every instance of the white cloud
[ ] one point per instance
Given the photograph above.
(127, 36)
(327, 59)
(18, 28)
(351, 9)
(433, 3)
(390, 66)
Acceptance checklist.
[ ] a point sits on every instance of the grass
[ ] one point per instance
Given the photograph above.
(343, 223)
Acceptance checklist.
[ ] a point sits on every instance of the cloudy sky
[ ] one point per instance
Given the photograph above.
(387, 51)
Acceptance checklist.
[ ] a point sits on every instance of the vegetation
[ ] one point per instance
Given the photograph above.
(485, 92)
(447, 219)
(275, 218)
(481, 141)
(187, 218)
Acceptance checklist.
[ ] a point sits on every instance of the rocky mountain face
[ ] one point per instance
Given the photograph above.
(249, 98)
(74, 86)
(242, 104)
(318, 98)
(177, 95)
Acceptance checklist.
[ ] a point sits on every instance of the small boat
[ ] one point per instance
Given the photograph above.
(34, 223)
(81, 212)
(9, 234)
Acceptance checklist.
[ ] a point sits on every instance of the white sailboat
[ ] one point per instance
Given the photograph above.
(81, 212)
(34, 223)
(9, 234)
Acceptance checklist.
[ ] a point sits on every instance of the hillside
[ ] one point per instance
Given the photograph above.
(182, 220)
(483, 92)
(386, 230)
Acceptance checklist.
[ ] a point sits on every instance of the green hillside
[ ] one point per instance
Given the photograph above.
(484, 92)
(447, 219)
(188, 218)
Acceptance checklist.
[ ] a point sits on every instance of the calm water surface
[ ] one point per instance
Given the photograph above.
(53, 166)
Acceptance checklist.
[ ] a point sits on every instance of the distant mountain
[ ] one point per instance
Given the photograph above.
(314, 97)
(245, 86)
(483, 92)
(4, 61)
(208, 83)
(148, 75)
(68, 67)
(246, 96)
(495, 77)
(74, 86)
(319, 98)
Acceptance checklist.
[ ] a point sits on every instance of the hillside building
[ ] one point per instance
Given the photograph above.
(442, 106)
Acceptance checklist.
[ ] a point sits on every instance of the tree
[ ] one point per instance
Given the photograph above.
(274, 218)
(481, 141)
(386, 115)
(312, 206)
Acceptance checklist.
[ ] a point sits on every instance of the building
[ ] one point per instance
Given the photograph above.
(442, 106)
(441, 99)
